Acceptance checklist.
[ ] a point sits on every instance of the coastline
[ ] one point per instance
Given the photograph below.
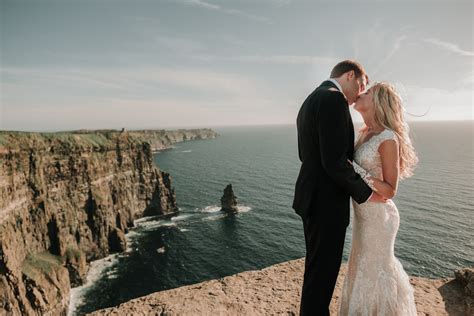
(277, 289)
(69, 198)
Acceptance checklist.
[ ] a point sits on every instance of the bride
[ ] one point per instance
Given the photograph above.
(376, 283)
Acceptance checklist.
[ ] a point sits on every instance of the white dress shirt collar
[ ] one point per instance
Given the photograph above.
(338, 85)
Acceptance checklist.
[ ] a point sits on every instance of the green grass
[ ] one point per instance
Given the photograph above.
(72, 254)
(26, 140)
(40, 263)
(98, 139)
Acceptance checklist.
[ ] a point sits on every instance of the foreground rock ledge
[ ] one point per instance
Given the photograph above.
(276, 290)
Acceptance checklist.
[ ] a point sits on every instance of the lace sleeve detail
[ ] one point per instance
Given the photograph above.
(388, 134)
(364, 175)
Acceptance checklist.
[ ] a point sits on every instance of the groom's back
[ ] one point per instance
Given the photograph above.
(314, 188)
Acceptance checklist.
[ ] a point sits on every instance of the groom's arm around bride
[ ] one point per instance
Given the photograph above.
(325, 142)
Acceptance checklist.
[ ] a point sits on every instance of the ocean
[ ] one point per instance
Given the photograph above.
(261, 162)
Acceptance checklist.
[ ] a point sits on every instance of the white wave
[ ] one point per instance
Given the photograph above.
(183, 229)
(211, 209)
(186, 151)
(214, 217)
(143, 219)
(131, 234)
(149, 224)
(131, 237)
(169, 224)
(129, 248)
(161, 250)
(215, 208)
(96, 269)
(180, 217)
(244, 209)
(112, 274)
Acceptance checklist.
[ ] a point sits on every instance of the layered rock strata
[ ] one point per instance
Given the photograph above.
(68, 198)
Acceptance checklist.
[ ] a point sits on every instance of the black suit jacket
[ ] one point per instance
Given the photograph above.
(325, 141)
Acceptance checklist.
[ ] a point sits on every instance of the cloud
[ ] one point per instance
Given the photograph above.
(64, 99)
(423, 103)
(71, 98)
(142, 19)
(285, 59)
(438, 104)
(397, 43)
(177, 44)
(234, 12)
(269, 59)
(137, 78)
(156, 112)
(450, 47)
(204, 4)
(376, 46)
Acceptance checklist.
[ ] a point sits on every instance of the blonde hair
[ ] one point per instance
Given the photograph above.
(388, 106)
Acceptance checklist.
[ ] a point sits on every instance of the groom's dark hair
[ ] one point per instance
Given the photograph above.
(348, 65)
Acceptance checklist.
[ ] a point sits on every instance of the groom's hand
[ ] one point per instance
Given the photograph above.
(377, 198)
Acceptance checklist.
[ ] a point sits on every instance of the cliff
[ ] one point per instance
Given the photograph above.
(160, 139)
(276, 290)
(68, 198)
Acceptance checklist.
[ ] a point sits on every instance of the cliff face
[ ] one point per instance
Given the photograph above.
(163, 139)
(68, 198)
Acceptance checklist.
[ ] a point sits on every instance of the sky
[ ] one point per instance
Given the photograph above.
(192, 63)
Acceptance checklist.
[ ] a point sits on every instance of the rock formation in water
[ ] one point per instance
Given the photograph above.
(229, 200)
(276, 290)
(68, 198)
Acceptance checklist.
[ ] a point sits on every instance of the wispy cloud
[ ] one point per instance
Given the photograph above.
(285, 59)
(216, 7)
(158, 112)
(395, 47)
(178, 44)
(138, 78)
(379, 44)
(419, 99)
(142, 19)
(204, 4)
(270, 59)
(449, 46)
(425, 104)
(132, 99)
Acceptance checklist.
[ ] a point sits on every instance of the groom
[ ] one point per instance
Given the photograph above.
(326, 180)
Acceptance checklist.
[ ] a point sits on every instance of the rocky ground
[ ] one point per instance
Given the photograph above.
(276, 290)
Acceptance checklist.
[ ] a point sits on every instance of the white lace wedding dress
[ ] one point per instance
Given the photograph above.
(375, 283)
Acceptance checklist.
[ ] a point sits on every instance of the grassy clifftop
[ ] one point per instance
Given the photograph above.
(97, 140)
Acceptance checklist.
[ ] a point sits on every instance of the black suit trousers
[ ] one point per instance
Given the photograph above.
(324, 247)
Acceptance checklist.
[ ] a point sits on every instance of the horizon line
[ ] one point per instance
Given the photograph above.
(176, 127)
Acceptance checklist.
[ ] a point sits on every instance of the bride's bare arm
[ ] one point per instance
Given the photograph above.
(389, 156)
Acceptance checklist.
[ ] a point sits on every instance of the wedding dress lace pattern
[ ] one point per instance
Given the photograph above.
(375, 283)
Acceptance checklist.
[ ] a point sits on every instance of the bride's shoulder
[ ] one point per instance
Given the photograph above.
(388, 134)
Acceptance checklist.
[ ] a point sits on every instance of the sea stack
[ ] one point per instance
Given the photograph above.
(229, 200)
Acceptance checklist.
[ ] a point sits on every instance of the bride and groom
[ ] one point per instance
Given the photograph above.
(333, 170)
